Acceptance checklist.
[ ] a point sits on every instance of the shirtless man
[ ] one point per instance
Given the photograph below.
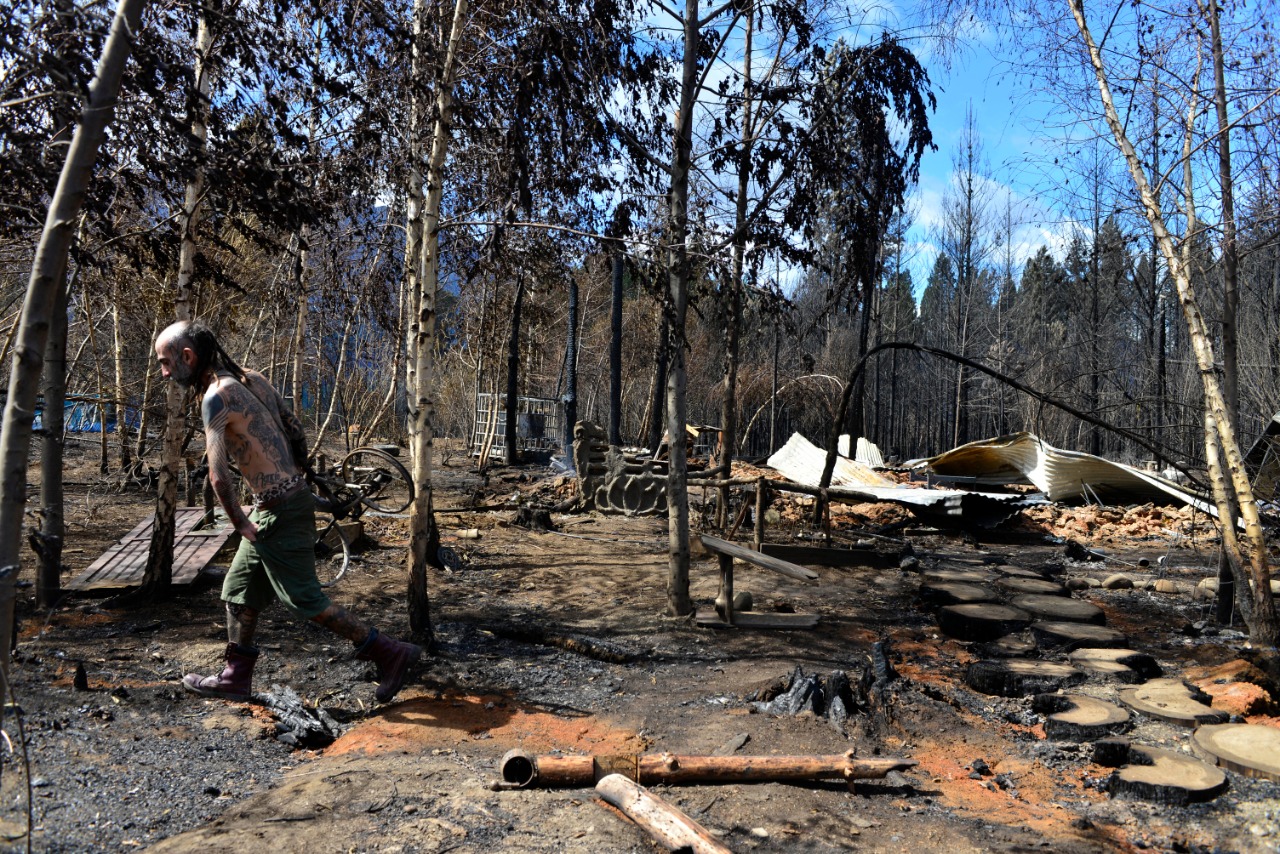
(245, 418)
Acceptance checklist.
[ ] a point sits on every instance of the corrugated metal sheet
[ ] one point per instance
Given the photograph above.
(802, 462)
(1060, 475)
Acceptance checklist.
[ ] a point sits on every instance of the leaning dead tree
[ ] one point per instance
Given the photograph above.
(47, 272)
(1229, 480)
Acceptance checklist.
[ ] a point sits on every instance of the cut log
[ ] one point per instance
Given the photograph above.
(1249, 749)
(1018, 677)
(1015, 586)
(1018, 572)
(1166, 777)
(1122, 665)
(935, 594)
(1077, 717)
(962, 576)
(981, 621)
(1059, 608)
(521, 770)
(1064, 635)
(1174, 701)
(670, 827)
(1020, 645)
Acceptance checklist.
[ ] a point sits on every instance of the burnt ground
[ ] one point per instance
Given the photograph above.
(558, 643)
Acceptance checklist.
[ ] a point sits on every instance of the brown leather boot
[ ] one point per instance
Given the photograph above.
(393, 659)
(234, 681)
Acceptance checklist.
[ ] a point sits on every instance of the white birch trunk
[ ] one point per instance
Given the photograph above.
(47, 271)
(159, 571)
(422, 329)
(1252, 548)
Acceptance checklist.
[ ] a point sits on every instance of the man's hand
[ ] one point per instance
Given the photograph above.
(246, 529)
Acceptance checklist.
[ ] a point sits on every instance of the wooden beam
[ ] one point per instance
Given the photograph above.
(782, 567)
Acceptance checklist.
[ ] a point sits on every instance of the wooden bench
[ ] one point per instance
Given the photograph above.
(724, 616)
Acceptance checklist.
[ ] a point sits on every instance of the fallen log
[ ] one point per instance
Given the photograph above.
(521, 770)
(669, 826)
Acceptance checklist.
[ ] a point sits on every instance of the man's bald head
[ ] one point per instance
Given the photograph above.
(187, 350)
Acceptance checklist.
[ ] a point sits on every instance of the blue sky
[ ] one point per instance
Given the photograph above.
(1012, 139)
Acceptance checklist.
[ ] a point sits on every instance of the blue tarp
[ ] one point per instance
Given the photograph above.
(85, 416)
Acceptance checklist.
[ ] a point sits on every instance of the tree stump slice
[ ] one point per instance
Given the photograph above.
(1249, 749)
(1018, 677)
(1060, 608)
(1077, 717)
(954, 593)
(1020, 645)
(1062, 634)
(1018, 572)
(1122, 665)
(959, 576)
(1173, 701)
(1167, 777)
(1016, 586)
(981, 621)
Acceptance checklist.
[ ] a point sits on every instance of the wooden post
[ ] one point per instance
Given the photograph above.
(762, 501)
(724, 600)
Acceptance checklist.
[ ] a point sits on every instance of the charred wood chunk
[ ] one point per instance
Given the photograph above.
(1077, 717)
(1122, 665)
(1054, 607)
(981, 621)
(1067, 635)
(1018, 586)
(1166, 777)
(1018, 677)
(1174, 701)
(937, 594)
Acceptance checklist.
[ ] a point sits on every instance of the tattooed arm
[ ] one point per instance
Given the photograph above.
(216, 414)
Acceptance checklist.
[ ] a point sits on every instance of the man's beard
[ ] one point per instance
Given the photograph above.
(183, 374)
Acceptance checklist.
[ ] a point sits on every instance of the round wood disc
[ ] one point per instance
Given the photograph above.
(955, 593)
(1018, 677)
(981, 621)
(1063, 634)
(1059, 608)
(1019, 645)
(1174, 701)
(1078, 717)
(1167, 777)
(1122, 665)
(961, 576)
(1018, 572)
(1249, 749)
(1016, 585)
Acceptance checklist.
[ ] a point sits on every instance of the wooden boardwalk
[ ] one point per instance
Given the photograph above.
(125, 563)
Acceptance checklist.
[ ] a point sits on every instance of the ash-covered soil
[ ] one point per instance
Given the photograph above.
(558, 643)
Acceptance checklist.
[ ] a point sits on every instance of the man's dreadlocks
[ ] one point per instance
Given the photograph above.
(209, 353)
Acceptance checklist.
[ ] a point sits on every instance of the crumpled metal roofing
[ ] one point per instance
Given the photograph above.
(802, 462)
(1060, 475)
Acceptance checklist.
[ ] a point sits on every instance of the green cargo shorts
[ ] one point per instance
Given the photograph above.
(282, 563)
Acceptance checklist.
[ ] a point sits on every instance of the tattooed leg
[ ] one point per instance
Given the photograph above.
(338, 620)
(242, 623)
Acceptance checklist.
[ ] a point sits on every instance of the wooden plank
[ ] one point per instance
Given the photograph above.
(819, 556)
(124, 564)
(708, 618)
(791, 570)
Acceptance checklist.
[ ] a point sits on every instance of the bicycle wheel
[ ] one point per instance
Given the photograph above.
(386, 484)
(333, 551)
